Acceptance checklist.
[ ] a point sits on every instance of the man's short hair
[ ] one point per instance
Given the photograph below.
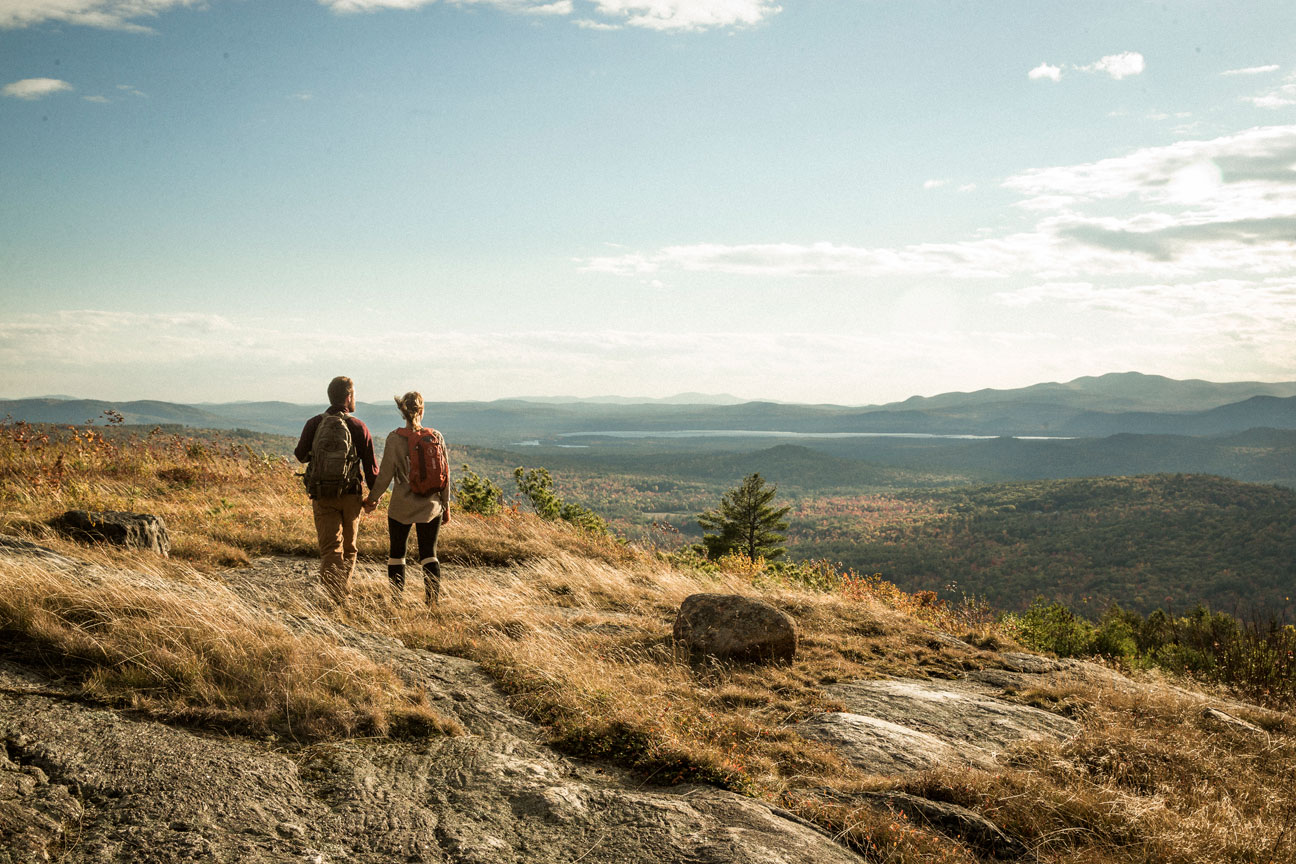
(338, 391)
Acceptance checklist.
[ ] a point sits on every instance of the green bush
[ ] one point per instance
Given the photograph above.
(818, 574)
(1052, 627)
(1257, 659)
(477, 494)
(536, 485)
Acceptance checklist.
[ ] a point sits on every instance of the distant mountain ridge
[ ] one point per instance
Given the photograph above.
(1117, 391)
(690, 398)
(1087, 407)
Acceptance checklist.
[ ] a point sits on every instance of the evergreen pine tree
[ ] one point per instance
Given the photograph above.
(746, 522)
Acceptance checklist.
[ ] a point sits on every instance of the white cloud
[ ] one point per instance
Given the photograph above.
(1253, 70)
(662, 15)
(934, 184)
(1281, 96)
(1118, 66)
(967, 187)
(131, 91)
(1044, 70)
(109, 14)
(1263, 155)
(687, 14)
(34, 88)
(98, 100)
(562, 7)
(1191, 210)
(1259, 314)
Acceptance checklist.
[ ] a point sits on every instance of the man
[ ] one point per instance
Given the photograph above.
(340, 450)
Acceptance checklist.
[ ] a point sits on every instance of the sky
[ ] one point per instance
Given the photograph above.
(846, 201)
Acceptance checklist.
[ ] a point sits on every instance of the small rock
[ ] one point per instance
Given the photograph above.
(733, 627)
(954, 821)
(136, 530)
(1237, 724)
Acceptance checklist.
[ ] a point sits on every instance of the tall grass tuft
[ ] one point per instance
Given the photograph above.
(180, 645)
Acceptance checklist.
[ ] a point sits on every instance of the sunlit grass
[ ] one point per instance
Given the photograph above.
(576, 630)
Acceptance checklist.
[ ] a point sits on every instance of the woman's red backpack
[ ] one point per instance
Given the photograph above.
(429, 472)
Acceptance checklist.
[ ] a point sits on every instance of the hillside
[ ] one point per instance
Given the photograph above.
(1146, 543)
(1191, 538)
(542, 712)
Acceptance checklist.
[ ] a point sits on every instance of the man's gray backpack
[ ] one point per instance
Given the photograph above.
(334, 467)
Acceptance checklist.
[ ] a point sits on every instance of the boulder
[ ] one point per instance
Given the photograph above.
(733, 627)
(136, 530)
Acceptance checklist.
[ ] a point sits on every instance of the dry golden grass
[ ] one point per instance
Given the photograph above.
(577, 631)
(167, 640)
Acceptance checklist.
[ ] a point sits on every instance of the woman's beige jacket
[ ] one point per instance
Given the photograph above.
(405, 506)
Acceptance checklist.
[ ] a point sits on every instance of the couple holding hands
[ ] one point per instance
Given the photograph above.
(339, 453)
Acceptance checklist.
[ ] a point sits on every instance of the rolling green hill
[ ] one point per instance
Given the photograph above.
(1143, 542)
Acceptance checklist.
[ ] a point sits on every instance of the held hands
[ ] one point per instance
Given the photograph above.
(370, 505)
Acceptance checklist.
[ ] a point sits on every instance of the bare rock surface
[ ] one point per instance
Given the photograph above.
(900, 725)
(81, 783)
(1019, 671)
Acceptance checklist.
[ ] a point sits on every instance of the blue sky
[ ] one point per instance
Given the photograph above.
(849, 201)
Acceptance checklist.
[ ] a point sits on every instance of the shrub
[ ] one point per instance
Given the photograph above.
(476, 494)
(1053, 627)
(537, 485)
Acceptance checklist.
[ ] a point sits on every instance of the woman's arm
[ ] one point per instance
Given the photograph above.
(445, 493)
(385, 473)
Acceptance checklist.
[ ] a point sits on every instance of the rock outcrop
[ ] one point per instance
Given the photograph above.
(85, 784)
(896, 726)
(733, 627)
(137, 530)
(81, 783)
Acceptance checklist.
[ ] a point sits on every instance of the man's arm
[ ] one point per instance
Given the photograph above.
(365, 450)
(303, 448)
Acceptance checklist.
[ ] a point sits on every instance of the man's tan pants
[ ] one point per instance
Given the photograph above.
(337, 521)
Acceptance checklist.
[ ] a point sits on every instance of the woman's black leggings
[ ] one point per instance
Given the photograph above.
(427, 539)
(399, 532)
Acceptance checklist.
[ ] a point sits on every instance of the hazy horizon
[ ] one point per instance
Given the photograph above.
(847, 201)
(695, 397)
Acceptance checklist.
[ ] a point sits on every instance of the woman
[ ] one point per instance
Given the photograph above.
(424, 512)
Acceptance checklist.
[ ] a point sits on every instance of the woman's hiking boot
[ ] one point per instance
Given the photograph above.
(431, 580)
(396, 576)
